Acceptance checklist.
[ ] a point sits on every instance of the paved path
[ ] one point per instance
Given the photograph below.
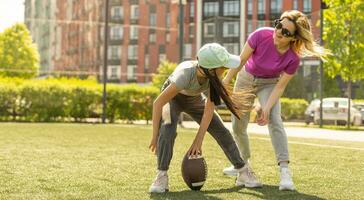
(305, 132)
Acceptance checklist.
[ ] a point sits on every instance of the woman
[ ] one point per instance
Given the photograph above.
(269, 60)
(183, 92)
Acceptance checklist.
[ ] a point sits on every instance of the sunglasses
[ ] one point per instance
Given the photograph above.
(285, 32)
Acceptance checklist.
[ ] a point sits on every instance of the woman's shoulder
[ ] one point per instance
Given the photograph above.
(264, 31)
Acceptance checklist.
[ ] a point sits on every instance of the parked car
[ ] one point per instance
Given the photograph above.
(310, 111)
(360, 107)
(335, 110)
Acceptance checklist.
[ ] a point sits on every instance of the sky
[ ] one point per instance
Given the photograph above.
(11, 11)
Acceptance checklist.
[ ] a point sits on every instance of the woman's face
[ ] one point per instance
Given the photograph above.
(278, 36)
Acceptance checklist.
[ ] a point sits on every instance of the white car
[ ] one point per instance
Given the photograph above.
(335, 110)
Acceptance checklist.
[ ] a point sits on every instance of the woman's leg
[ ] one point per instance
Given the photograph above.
(275, 126)
(240, 133)
(278, 137)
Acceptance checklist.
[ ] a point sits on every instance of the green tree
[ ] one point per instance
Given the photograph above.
(18, 55)
(343, 29)
(165, 68)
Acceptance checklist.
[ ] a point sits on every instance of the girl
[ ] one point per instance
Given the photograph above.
(183, 92)
(270, 58)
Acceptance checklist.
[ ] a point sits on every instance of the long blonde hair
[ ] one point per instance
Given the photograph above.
(305, 44)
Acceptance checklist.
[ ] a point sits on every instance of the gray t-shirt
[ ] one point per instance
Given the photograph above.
(185, 78)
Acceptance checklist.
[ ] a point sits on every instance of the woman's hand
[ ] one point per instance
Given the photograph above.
(195, 148)
(153, 145)
(263, 116)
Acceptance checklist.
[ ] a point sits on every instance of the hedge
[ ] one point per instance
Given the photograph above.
(72, 100)
(78, 100)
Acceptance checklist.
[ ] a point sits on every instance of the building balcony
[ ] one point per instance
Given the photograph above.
(113, 61)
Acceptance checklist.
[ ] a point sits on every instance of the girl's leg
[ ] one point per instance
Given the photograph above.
(167, 134)
(217, 129)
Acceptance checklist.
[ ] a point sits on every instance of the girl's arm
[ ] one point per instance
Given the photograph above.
(244, 56)
(158, 104)
(273, 98)
(195, 148)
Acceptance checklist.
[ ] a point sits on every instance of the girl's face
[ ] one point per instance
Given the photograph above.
(220, 71)
(284, 32)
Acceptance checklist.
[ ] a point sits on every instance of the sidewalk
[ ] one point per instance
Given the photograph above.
(304, 132)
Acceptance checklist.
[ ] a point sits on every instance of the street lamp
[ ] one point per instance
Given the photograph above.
(323, 6)
(106, 41)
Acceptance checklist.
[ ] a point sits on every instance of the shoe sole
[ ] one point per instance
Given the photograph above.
(286, 188)
(238, 183)
(158, 191)
(231, 173)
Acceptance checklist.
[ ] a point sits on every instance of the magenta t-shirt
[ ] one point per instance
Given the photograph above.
(266, 61)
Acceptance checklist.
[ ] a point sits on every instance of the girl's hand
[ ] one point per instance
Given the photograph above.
(153, 145)
(195, 148)
(263, 117)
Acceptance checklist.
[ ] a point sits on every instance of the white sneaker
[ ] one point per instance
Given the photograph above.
(247, 178)
(286, 182)
(160, 184)
(230, 171)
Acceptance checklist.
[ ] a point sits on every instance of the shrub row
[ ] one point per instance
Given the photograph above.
(72, 100)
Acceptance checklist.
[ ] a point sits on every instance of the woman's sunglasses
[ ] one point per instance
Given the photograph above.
(285, 32)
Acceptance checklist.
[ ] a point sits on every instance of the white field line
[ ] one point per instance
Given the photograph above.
(313, 144)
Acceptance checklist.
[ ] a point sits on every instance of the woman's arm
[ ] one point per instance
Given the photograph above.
(273, 98)
(158, 104)
(205, 122)
(244, 56)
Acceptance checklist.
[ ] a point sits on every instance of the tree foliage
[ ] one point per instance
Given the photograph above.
(18, 54)
(165, 68)
(343, 35)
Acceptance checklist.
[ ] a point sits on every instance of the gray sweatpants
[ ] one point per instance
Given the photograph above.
(276, 130)
(193, 106)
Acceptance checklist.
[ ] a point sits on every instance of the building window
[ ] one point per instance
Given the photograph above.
(117, 12)
(133, 52)
(192, 30)
(114, 52)
(250, 7)
(276, 6)
(113, 72)
(168, 37)
(116, 32)
(192, 9)
(131, 74)
(152, 19)
(152, 37)
(249, 27)
(306, 6)
(261, 23)
(134, 11)
(133, 32)
(209, 29)
(232, 48)
(231, 8)
(295, 4)
(187, 51)
(168, 20)
(231, 29)
(211, 9)
(261, 6)
(146, 62)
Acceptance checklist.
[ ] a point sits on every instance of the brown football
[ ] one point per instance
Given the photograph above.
(194, 171)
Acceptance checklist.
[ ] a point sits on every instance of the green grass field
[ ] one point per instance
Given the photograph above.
(85, 161)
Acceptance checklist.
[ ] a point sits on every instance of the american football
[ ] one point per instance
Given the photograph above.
(194, 171)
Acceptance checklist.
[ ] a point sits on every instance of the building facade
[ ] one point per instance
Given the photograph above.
(39, 18)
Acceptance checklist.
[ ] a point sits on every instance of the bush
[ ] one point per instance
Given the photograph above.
(8, 102)
(293, 108)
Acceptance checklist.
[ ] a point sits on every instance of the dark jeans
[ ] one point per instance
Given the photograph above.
(193, 106)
